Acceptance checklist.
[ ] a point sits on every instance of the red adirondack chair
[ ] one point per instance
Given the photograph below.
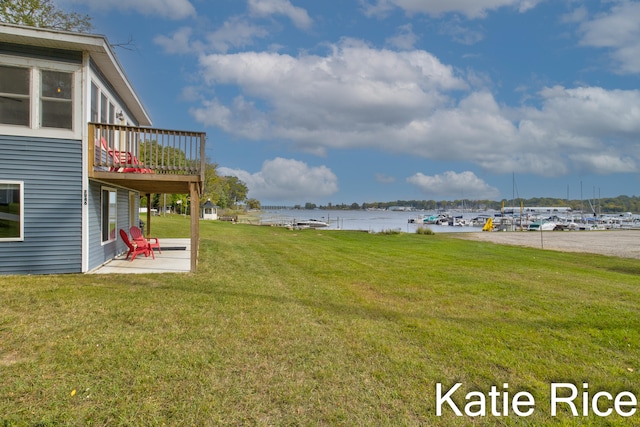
(123, 160)
(136, 248)
(138, 237)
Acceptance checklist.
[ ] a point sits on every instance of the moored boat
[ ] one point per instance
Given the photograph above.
(311, 223)
(542, 225)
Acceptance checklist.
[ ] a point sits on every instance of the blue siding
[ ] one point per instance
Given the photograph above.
(100, 253)
(51, 170)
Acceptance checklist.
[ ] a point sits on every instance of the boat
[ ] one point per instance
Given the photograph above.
(311, 223)
(542, 225)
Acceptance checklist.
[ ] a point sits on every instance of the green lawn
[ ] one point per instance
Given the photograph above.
(312, 327)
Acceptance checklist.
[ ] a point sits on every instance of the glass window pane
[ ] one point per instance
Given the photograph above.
(14, 80)
(109, 214)
(14, 96)
(10, 211)
(57, 114)
(95, 99)
(14, 111)
(103, 109)
(112, 214)
(56, 84)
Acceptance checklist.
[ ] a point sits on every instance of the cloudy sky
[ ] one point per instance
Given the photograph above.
(377, 100)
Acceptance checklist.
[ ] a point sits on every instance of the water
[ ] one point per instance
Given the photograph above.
(372, 221)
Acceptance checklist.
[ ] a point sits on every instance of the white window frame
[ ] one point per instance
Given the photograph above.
(42, 99)
(35, 66)
(20, 238)
(102, 219)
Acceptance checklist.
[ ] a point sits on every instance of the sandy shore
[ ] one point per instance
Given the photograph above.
(620, 243)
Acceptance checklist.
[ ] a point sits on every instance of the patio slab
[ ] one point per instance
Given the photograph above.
(173, 259)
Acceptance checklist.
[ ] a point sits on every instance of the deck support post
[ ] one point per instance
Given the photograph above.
(148, 214)
(194, 190)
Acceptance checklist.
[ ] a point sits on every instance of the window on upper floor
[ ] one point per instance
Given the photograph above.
(35, 97)
(56, 100)
(14, 95)
(103, 110)
(94, 102)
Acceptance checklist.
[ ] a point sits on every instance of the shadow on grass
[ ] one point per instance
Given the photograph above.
(625, 269)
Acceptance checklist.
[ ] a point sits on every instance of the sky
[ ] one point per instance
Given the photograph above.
(343, 101)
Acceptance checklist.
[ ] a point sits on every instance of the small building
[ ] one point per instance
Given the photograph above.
(209, 211)
(78, 152)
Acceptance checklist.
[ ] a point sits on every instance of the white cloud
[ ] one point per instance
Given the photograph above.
(460, 33)
(470, 8)
(465, 185)
(592, 111)
(241, 118)
(604, 163)
(333, 100)
(405, 39)
(235, 33)
(265, 8)
(179, 42)
(588, 128)
(287, 180)
(410, 103)
(619, 31)
(172, 9)
(578, 15)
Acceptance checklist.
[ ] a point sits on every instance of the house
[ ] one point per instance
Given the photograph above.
(77, 151)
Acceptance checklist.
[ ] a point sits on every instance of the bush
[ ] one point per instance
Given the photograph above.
(425, 230)
(389, 232)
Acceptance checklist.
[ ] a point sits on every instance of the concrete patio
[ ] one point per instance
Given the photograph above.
(173, 259)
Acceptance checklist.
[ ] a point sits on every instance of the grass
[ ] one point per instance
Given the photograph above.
(313, 327)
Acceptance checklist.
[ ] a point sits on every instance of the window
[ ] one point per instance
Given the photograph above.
(36, 97)
(104, 110)
(14, 96)
(11, 211)
(109, 214)
(56, 108)
(94, 102)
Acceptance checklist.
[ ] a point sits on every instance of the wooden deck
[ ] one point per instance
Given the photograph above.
(151, 161)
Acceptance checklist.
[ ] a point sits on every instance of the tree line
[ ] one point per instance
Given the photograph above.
(604, 205)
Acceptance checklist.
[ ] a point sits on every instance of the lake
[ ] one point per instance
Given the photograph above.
(372, 221)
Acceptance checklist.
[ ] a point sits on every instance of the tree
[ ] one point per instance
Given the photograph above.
(253, 204)
(214, 185)
(236, 189)
(42, 13)
(224, 191)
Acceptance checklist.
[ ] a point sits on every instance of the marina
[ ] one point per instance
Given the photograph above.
(508, 219)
